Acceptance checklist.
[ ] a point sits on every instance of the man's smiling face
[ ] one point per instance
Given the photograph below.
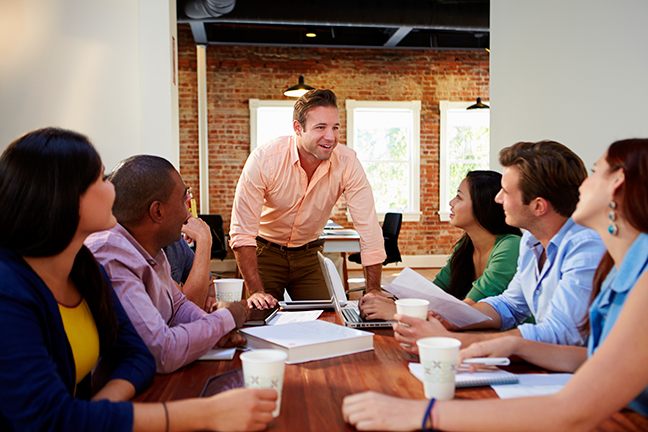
(321, 134)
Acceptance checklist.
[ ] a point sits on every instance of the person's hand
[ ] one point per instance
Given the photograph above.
(231, 340)
(374, 293)
(239, 311)
(210, 304)
(261, 300)
(376, 307)
(499, 347)
(197, 230)
(375, 411)
(448, 325)
(242, 409)
(417, 329)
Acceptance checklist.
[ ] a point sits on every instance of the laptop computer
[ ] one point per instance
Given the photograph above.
(349, 315)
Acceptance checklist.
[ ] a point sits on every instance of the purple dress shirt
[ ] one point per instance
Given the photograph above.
(175, 330)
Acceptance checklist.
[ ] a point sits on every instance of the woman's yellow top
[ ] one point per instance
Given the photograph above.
(83, 336)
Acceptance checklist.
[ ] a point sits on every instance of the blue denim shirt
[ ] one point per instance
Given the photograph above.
(608, 304)
(557, 296)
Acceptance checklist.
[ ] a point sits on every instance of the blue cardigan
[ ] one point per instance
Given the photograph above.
(37, 372)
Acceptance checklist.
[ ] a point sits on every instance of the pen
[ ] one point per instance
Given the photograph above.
(494, 361)
(194, 212)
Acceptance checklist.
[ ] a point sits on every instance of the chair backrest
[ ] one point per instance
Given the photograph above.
(391, 229)
(219, 246)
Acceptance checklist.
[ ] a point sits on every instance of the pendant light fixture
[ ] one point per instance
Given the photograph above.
(300, 88)
(479, 104)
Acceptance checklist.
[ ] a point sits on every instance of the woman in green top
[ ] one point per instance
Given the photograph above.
(484, 260)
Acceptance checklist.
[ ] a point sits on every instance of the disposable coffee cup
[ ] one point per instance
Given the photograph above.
(265, 369)
(228, 290)
(416, 308)
(439, 357)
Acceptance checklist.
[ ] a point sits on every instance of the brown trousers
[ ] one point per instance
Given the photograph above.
(299, 272)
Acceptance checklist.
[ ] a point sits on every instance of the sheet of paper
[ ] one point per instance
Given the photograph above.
(533, 385)
(219, 354)
(410, 284)
(295, 317)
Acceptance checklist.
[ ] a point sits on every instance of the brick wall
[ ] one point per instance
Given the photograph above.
(236, 74)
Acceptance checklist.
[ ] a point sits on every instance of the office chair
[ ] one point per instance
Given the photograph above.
(219, 246)
(391, 229)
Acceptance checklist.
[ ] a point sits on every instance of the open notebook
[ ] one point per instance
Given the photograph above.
(463, 378)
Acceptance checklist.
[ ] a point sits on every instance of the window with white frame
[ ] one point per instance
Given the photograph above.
(270, 119)
(385, 136)
(464, 146)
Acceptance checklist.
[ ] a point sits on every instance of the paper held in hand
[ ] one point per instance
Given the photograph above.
(410, 284)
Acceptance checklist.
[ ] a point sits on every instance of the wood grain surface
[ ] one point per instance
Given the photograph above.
(313, 391)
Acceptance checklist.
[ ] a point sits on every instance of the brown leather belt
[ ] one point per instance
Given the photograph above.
(311, 245)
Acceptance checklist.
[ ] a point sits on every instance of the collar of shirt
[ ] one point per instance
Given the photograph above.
(152, 261)
(322, 168)
(633, 265)
(536, 247)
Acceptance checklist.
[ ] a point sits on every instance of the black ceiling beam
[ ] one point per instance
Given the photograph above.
(423, 14)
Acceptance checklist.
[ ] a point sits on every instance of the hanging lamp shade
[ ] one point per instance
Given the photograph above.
(478, 105)
(299, 89)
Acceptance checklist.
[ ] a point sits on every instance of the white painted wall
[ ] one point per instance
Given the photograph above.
(573, 71)
(100, 67)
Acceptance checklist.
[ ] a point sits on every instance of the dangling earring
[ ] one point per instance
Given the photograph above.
(613, 228)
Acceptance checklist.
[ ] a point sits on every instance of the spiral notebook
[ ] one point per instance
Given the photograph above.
(463, 378)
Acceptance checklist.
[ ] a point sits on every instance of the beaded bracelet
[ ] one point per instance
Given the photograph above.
(428, 415)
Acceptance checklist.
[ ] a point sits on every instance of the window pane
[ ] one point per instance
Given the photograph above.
(390, 184)
(465, 147)
(467, 142)
(273, 122)
(382, 135)
(458, 172)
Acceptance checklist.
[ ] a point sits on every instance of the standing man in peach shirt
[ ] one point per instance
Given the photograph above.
(284, 198)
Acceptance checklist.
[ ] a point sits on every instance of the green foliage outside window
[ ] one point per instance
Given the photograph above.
(385, 157)
(468, 150)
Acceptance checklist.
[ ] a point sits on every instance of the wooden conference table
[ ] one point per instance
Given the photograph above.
(313, 391)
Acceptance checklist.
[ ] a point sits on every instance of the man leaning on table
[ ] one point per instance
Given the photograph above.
(557, 260)
(283, 200)
(151, 211)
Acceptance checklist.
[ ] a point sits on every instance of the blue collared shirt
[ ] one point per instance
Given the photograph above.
(558, 295)
(608, 304)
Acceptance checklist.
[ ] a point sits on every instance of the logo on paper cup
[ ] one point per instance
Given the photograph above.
(264, 382)
(229, 296)
(439, 372)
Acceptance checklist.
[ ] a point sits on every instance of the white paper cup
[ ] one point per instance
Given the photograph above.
(228, 290)
(265, 369)
(416, 308)
(439, 356)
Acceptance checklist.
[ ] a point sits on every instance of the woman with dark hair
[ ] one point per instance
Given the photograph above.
(610, 372)
(59, 314)
(485, 257)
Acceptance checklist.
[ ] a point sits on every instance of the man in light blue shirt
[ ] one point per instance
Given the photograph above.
(557, 258)
(558, 295)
